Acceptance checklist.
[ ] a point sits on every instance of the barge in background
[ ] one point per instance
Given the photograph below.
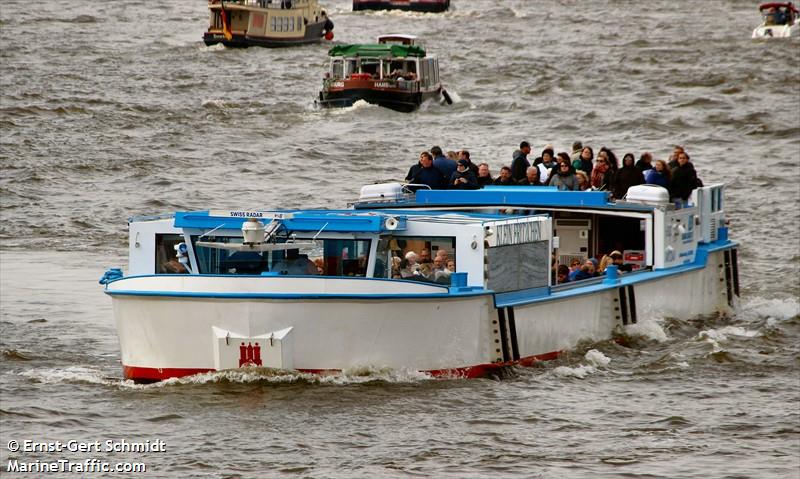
(433, 6)
(316, 290)
(266, 23)
(394, 73)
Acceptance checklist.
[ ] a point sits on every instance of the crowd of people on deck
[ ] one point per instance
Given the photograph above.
(579, 170)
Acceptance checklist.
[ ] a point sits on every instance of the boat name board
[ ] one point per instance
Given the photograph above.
(239, 214)
(517, 233)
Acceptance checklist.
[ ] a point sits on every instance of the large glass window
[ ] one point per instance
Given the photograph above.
(430, 259)
(332, 257)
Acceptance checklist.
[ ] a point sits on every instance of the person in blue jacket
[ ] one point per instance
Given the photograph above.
(658, 175)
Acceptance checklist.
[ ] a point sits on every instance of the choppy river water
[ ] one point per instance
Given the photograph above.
(112, 109)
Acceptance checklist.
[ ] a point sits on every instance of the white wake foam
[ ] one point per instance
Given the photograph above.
(596, 360)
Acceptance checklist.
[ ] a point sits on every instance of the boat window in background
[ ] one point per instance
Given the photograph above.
(165, 253)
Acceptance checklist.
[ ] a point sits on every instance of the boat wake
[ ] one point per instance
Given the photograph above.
(595, 362)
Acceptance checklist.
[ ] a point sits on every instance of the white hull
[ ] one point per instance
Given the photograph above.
(776, 31)
(393, 324)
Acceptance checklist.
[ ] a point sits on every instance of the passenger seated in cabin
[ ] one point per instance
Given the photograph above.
(586, 271)
(574, 265)
(320, 264)
(451, 266)
(409, 267)
(484, 176)
(425, 256)
(440, 272)
(173, 266)
(244, 262)
(463, 178)
(619, 262)
(295, 264)
(505, 178)
(562, 275)
(442, 253)
(531, 177)
(396, 267)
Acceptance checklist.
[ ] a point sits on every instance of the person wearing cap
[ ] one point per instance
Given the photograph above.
(463, 178)
(519, 162)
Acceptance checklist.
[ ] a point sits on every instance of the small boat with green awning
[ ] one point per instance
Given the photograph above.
(394, 73)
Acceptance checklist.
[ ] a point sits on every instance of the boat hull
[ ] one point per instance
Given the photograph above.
(313, 34)
(182, 325)
(776, 31)
(431, 6)
(396, 100)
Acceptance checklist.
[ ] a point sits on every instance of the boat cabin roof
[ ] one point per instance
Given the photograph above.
(376, 50)
(397, 38)
(777, 5)
(331, 221)
(544, 197)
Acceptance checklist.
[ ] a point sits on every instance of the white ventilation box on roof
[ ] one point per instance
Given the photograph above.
(648, 195)
(382, 192)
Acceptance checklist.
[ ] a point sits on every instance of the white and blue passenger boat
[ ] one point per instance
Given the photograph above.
(317, 290)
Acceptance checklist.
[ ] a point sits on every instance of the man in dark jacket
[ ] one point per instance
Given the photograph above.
(464, 155)
(519, 162)
(505, 179)
(684, 179)
(627, 176)
(426, 173)
(645, 162)
(443, 163)
(463, 178)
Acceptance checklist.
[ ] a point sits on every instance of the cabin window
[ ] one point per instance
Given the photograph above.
(436, 71)
(166, 259)
(274, 26)
(332, 257)
(519, 266)
(337, 69)
(371, 67)
(350, 68)
(424, 78)
(392, 251)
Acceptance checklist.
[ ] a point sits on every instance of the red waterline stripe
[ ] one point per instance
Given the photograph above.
(137, 373)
